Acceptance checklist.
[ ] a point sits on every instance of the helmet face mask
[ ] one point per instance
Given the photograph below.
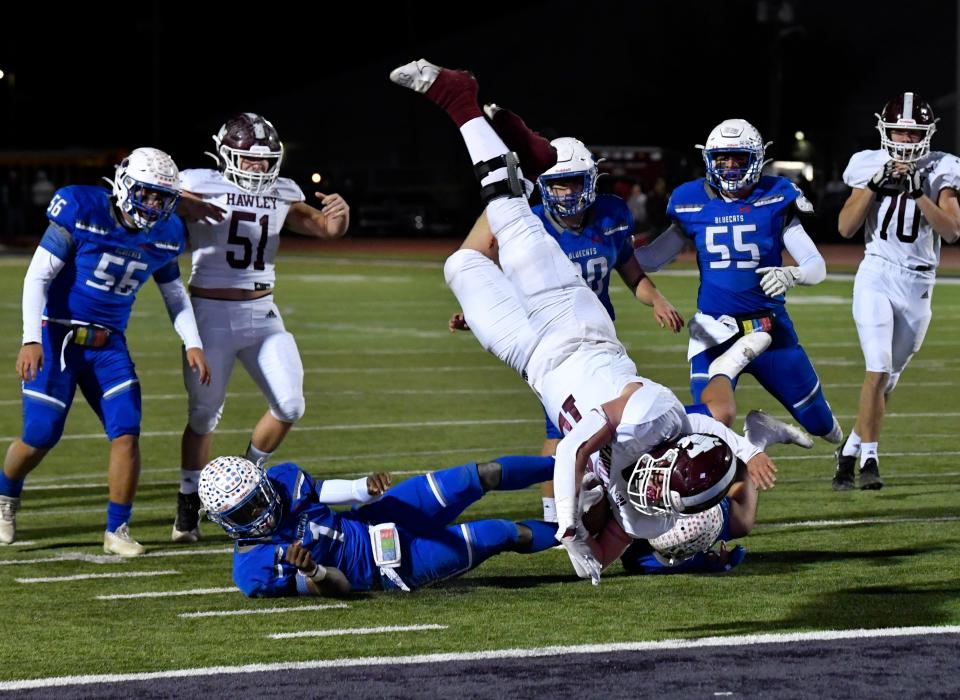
(683, 476)
(906, 112)
(734, 155)
(237, 495)
(574, 175)
(147, 186)
(249, 137)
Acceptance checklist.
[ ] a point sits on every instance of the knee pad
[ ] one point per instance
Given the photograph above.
(42, 425)
(203, 420)
(289, 410)
(461, 260)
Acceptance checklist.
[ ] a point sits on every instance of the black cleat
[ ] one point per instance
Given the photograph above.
(870, 475)
(843, 480)
(186, 528)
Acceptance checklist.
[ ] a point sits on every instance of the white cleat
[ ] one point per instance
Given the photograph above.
(416, 75)
(764, 430)
(8, 519)
(732, 362)
(120, 542)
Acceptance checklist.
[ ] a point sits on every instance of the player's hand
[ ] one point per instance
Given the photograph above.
(666, 315)
(457, 323)
(300, 557)
(30, 361)
(195, 210)
(777, 280)
(197, 362)
(912, 181)
(378, 483)
(334, 207)
(884, 180)
(581, 556)
(762, 470)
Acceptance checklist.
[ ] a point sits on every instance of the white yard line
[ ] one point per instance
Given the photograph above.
(113, 559)
(167, 594)
(84, 577)
(355, 630)
(262, 611)
(443, 658)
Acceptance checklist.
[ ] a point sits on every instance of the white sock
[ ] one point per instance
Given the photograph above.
(483, 144)
(868, 450)
(851, 448)
(189, 480)
(549, 509)
(257, 456)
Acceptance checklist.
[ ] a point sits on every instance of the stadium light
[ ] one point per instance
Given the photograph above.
(2, 74)
(798, 136)
(315, 178)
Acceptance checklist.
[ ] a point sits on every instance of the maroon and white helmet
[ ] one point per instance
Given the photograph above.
(907, 111)
(249, 136)
(682, 476)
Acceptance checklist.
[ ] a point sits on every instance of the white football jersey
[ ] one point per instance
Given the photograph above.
(240, 251)
(895, 228)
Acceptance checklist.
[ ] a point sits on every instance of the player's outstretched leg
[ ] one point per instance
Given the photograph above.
(763, 430)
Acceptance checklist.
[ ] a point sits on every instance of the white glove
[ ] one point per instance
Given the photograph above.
(777, 280)
(584, 563)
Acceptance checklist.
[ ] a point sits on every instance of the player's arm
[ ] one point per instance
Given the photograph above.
(180, 310)
(809, 270)
(647, 293)
(331, 221)
(56, 247)
(341, 492)
(943, 215)
(662, 250)
(194, 209)
(314, 578)
(854, 211)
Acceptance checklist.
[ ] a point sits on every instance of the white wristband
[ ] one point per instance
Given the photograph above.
(318, 574)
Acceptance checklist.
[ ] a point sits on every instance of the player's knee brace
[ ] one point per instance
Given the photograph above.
(43, 426)
(203, 419)
(491, 474)
(289, 410)
(511, 187)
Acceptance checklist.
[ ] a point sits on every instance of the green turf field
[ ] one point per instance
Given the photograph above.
(388, 388)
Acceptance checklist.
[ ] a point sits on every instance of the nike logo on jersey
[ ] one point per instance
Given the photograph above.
(251, 200)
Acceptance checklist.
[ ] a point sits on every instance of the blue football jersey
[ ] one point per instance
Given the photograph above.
(604, 243)
(733, 239)
(334, 539)
(106, 263)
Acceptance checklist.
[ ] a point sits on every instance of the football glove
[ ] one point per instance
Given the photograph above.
(884, 180)
(777, 280)
(912, 182)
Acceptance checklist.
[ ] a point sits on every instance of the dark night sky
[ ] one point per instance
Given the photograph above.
(646, 73)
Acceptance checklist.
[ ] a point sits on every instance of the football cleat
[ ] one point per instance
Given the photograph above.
(120, 542)
(843, 479)
(763, 430)
(8, 519)
(870, 475)
(186, 527)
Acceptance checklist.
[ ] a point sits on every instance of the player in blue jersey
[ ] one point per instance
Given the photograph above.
(95, 255)
(741, 222)
(290, 542)
(595, 231)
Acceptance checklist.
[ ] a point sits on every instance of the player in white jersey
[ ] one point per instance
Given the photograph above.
(231, 287)
(538, 316)
(905, 197)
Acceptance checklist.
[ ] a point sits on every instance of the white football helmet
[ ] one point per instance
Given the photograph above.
(691, 534)
(736, 136)
(906, 112)
(251, 137)
(237, 495)
(147, 186)
(573, 160)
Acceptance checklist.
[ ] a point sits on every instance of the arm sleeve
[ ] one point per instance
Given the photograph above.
(742, 448)
(340, 492)
(43, 268)
(564, 469)
(662, 250)
(181, 312)
(813, 270)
